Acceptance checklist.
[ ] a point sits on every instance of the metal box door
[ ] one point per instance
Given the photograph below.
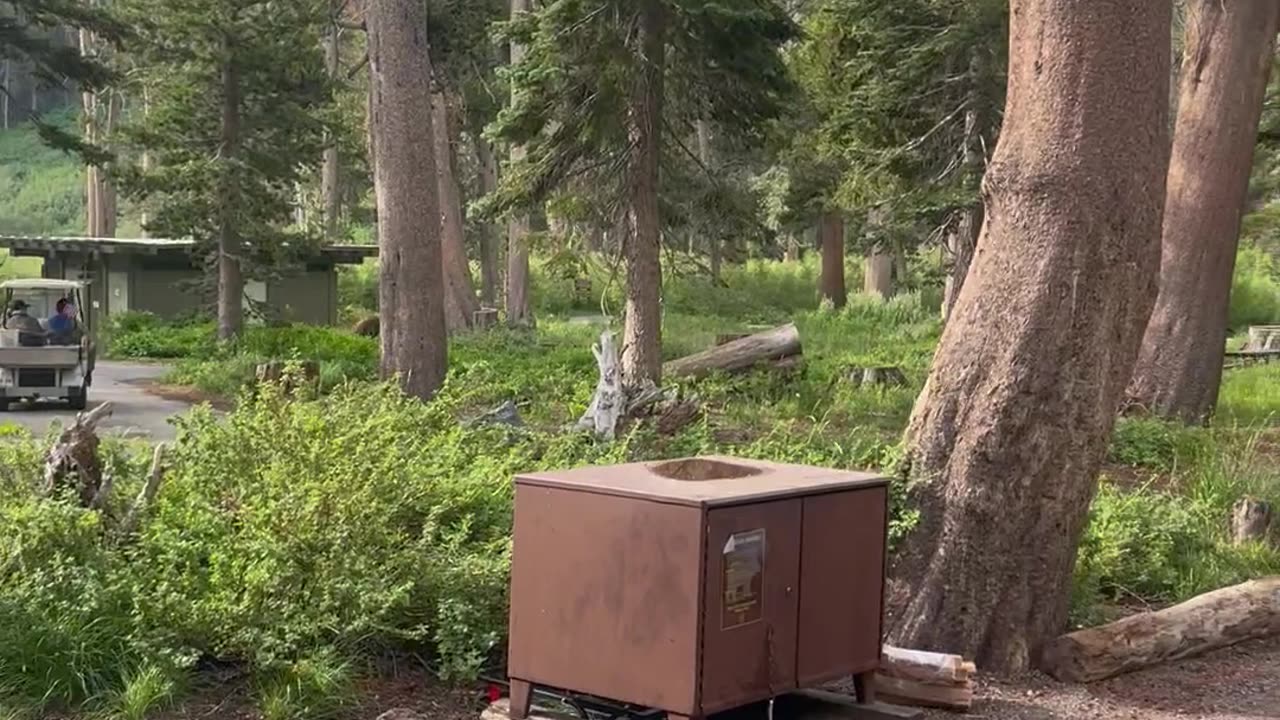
(842, 584)
(750, 603)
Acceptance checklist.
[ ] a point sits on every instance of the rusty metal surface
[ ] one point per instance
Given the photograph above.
(755, 481)
(842, 584)
(605, 596)
(743, 662)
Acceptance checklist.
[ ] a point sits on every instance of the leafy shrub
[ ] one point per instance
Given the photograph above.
(144, 335)
(1255, 289)
(65, 612)
(1154, 444)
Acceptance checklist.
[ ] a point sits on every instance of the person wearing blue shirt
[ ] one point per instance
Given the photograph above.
(63, 322)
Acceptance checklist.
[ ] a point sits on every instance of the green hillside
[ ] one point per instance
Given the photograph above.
(41, 190)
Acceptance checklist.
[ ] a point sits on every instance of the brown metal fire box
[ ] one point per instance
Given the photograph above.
(695, 586)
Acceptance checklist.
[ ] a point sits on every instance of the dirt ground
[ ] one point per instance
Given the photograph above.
(1238, 683)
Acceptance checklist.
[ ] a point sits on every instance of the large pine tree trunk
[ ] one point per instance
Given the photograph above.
(1007, 437)
(460, 301)
(230, 274)
(330, 180)
(831, 284)
(411, 284)
(489, 273)
(962, 241)
(1227, 60)
(642, 338)
(519, 308)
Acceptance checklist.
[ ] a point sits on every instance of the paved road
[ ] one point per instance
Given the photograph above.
(136, 413)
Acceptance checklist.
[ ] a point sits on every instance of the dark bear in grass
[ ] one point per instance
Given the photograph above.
(368, 327)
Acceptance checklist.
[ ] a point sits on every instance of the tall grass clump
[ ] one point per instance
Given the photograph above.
(1255, 289)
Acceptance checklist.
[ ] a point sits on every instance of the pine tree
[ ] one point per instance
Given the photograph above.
(596, 102)
(28, 40)
(902, 116)
(235, 90)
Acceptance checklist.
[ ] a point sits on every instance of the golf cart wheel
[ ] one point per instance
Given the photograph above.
(78, 398)
(5, 403)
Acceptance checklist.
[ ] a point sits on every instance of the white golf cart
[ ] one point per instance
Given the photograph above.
(44, 365)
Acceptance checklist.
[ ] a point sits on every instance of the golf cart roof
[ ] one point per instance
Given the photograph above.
(43, 284)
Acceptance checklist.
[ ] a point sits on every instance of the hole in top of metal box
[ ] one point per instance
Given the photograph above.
(697, 470)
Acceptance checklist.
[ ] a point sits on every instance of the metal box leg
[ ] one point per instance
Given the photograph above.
(865, 687)
(521, 699)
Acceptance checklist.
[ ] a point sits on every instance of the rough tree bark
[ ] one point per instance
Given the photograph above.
(230, 274)
(642, 338)
(1227, 60)
(1007, 437)
(831, 283)
(519, 309)
(330, 179)
(963, 239)
(460, 299)
(411, 283)
(489, 273)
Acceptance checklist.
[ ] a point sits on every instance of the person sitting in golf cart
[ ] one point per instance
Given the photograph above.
(63, 328)
(30, 332)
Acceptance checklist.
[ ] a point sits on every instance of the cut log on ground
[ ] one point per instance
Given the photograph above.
(928, 667)
(916, 694)
(925, 679)
(1208, 622)
(1250, 521)
(775, 344)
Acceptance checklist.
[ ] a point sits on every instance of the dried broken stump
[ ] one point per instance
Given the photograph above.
(1211, 621)
(1250, 521)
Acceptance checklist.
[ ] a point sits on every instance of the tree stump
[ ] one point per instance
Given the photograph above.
(1250, 521)
(283, 373)
(877, 377)
(484, 318)
(73, 460)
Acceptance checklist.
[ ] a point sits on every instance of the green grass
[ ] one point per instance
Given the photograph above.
(304, 538)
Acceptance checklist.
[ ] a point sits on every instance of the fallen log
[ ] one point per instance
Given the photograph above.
(1208, 622)
(780, 342)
